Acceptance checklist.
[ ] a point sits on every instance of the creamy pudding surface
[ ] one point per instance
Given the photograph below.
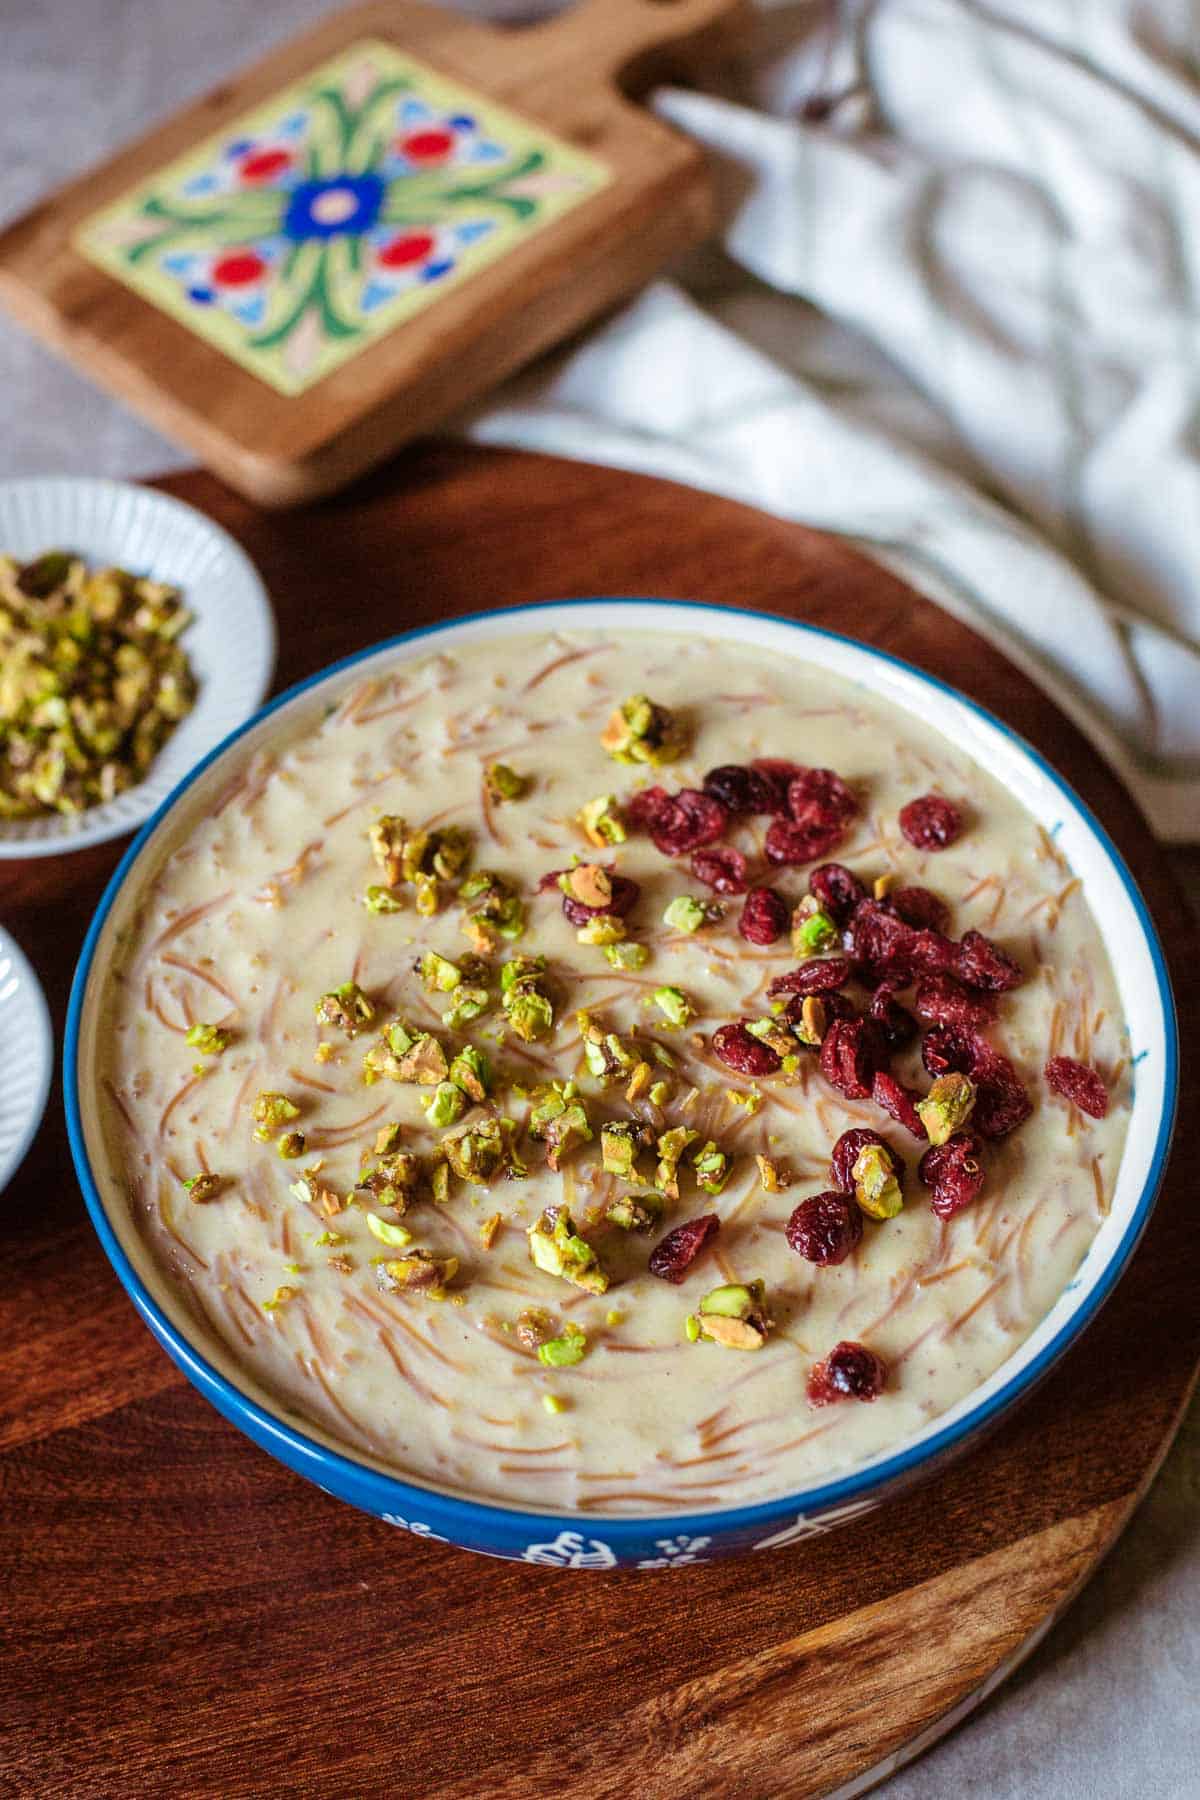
(272, 1011)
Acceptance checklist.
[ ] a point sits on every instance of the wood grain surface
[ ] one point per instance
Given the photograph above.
(183, 1616)
(281, 449)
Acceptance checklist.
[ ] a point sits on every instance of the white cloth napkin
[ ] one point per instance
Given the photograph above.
(956, 321)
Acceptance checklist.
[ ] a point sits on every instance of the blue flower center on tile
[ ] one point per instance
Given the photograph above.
(341, 206)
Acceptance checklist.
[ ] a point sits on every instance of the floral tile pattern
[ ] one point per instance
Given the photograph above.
(335, 212)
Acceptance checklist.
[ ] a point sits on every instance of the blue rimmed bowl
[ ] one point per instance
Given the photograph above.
(560, 1539)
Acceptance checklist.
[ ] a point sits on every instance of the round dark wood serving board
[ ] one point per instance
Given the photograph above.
(184, 1616)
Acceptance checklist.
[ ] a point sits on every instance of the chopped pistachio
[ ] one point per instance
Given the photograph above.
(386, 838)
(675, 1006)
(472, 1072)
(525, 1004)
(398, 1237)
(439, 1183)
(711, 1167)
(602, 822)
(534, 1326)
(329, 1237)
(560, 1122)
(554, 1403)
(290, 1144)
(686, 913)
(445, 1105)
(590, 883)
(620, 1142)
(387, 1138)
(671, 1146)
(392, 1180)
(734, 1316)
(382, 900)
(565, 1351)
(814, 931)
(202, 1188)
(641, 732)
(209, 1040)
(309, 1189)
(556, 1248)
(503, 783)
(875, 1185)
(813, 1022)
(605, 929)
(638, 1082)
(491, 907)
(884, 884)
(448, 851)
(424, 1062)
(437, 974)
(280, 1298)
(947, 1107)
(488, 1230)
(323, 1053)
(659, 1093)
(606, 1056)
(428, 895)
(775, 1177)
(418, 1273)
(635, 1212)
(347, 1007)
(691, 1327)
(480, 1152)
(627, 955)
(270, 1111)
(467, 1005)
(773, 1034)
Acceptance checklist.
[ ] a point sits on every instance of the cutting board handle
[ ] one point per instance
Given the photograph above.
(642, 41)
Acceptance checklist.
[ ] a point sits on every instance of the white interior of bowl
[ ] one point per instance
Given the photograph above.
(1114, 902)
(231, 642)
(26, 1057)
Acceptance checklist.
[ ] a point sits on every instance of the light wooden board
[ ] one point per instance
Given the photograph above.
(294, 339)
(184, 1616)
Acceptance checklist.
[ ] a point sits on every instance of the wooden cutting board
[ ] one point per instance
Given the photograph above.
(339, 247)
(185, 1616)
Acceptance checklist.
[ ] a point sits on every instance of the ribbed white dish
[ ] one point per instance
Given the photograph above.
(231, 642)
(26, 1057)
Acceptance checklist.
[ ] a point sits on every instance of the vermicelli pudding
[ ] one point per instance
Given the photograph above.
(613, 1072)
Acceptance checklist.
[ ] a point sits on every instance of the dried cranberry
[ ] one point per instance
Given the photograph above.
(737, 1049)
(722, 869)
(849, 1372)
(847, 1151)
(895, 1021)
(918, 906)
(941, 1000)
(901, 1102)
(741, 789)
(673, 1255)
(850, 1053)
(889, 949)
(931, 823)
(818, 799)
(625, 895)
(825, 1229)
(945, 1051)
(818, 977)
(777, 774)
(764, 916)
(1001, 1103)
(1080, 1083)
(838, 889)
(953, 1173)
(692, 820)
(787, 844)
(982, 964)
(645, 806)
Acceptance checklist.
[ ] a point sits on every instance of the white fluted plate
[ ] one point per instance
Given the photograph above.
(231, 642)
(26, 1056)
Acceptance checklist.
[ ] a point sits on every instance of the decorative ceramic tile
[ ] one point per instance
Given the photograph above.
(334, 212)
